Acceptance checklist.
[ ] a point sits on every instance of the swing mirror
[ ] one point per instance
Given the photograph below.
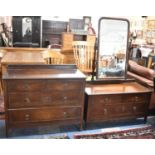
(112, 48)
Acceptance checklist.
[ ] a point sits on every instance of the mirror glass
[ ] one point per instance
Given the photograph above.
(112, 50)
(27, 29)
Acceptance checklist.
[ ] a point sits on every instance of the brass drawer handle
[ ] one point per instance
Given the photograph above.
(105, 111)
(66, 84)
(123, 109)
(65, 114)
(26, 86)
(136, 98)
(106, 100)
(27, 117)
(27, 100)
(134, 108)
(65, 98)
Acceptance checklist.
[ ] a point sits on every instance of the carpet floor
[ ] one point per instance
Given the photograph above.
(147, 132)
(68, 132)
(1, 104)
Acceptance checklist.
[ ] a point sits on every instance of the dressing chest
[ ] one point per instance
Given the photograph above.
(43, 94)
(107, 102)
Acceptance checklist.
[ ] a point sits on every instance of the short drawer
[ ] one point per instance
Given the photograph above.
(109, 112)
(106, 99)
(24, 99)
(25, 85)
(139, 108)
(43, 114)
(136, 98)
(64, 85)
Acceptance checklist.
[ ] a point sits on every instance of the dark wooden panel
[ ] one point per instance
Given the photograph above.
(36, 29)
(52, 31)
(17, 29)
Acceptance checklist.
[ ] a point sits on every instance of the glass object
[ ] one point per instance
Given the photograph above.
(112, 50)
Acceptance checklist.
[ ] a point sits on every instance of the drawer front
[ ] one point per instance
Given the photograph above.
(139, 108)
(111, 111)
(44, 114)
(106, 99)
(136, 98)
(25, 85)
(64, 85)
(19, 100)
(118, 111)
(107, 107)
(62, 98)
(37, 99)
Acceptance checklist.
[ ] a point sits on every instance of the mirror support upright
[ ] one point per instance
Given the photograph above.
(94, 60)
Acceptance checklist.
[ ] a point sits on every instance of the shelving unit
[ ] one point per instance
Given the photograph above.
(51, 32)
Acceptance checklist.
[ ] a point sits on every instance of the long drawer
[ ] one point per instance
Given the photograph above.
(44, 85)
(43, 114)
(50, 98)
(109, 111)
(124, 99)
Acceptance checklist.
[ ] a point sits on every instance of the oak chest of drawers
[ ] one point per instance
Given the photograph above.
(43, 94)
(108, 102)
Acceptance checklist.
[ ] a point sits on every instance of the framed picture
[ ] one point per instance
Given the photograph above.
(151, 24)
(76, 24)
(87, 19)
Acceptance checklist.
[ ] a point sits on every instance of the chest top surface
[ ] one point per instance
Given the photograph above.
(23, 58)
(121, 88)
(42, 72)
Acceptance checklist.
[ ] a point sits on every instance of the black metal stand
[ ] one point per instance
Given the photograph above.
(94, 60)
(154, 83)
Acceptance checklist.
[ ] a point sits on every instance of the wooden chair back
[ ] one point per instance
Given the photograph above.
(83, 55)
(53, 57)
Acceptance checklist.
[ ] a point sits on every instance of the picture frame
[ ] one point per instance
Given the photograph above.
(87, 20)
(151, 24)
(76, 24)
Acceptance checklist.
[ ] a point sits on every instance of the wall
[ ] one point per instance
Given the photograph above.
(136, 22)
(94, 19)
(7, 20)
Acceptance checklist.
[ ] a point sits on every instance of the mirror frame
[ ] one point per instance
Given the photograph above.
(111, 78)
